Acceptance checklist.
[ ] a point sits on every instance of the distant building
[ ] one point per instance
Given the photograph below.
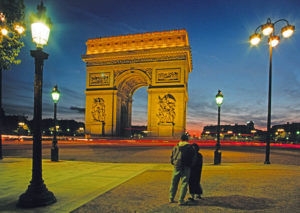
(20, 125)
(233, 132)
(286, 132)
(282, 133)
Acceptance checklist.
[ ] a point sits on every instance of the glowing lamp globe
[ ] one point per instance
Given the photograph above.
(219, 98)
(255, 39)
(267, 29)
(40, 33)
(55, 94)
(40, 26)
(287, 31)
(274, 41)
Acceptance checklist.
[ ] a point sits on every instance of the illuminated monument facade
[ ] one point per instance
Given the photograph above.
(118, 66)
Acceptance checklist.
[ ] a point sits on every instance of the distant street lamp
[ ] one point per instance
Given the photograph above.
(37, 193)
(217, 156)
(54, 149)
(268, 29)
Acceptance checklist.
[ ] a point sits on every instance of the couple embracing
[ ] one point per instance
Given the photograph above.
(187, 162)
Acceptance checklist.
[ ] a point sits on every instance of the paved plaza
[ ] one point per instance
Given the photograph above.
(130, 187)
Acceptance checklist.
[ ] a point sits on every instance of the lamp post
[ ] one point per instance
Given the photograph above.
(217, 156)
(54, 149)
(37, 193)
(268, 30)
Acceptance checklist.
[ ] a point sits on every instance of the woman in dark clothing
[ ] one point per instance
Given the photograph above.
(195, 176)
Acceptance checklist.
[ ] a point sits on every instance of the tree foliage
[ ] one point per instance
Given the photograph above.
(10, 45)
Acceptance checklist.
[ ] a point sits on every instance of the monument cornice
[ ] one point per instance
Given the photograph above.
(142, 41)
(127, 54)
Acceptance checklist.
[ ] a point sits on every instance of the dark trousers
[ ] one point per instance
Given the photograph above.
(194, 182)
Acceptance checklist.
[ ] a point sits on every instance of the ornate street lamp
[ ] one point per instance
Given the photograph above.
(268, 29)
(37, 193)
(54, 149)
(217, 156)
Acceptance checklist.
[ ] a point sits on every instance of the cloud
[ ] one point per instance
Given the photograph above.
(78, 109)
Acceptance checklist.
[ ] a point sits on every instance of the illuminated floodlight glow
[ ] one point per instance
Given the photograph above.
(287, 31)
(274, 41)
(255, 39)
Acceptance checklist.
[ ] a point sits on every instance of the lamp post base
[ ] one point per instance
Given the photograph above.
(35, 196)
(217, 157)
(54, 153)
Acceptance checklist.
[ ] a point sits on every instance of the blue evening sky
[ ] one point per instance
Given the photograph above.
(222, 58)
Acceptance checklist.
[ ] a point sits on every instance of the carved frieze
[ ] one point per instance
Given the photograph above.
(98, 110)
(99, 79)
(135, 61)
(166, 112)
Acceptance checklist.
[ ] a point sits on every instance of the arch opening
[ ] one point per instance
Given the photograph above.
(139, 113)
(127, 84)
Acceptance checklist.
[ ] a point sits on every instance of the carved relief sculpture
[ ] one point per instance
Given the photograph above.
(98, 110)
(166, 111)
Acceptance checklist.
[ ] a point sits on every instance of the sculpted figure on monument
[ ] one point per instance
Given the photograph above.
(98, 110)
(166, 111)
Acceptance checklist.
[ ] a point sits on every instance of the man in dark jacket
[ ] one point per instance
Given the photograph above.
(182, 159)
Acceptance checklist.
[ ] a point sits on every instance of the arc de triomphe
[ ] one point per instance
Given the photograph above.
(118, 66)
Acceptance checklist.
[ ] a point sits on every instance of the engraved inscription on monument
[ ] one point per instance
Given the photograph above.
(99, 79)
(167, 75)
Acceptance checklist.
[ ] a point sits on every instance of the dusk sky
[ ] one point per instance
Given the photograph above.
(222, 58)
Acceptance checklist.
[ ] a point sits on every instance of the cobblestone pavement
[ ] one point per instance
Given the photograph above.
(227, 188)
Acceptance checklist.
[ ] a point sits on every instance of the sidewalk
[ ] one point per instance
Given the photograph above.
(119, 187)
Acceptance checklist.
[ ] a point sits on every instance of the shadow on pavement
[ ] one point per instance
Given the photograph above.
(235, 202)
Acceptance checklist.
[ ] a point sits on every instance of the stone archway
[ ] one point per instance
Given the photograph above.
(127, 82)
(118, 66)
